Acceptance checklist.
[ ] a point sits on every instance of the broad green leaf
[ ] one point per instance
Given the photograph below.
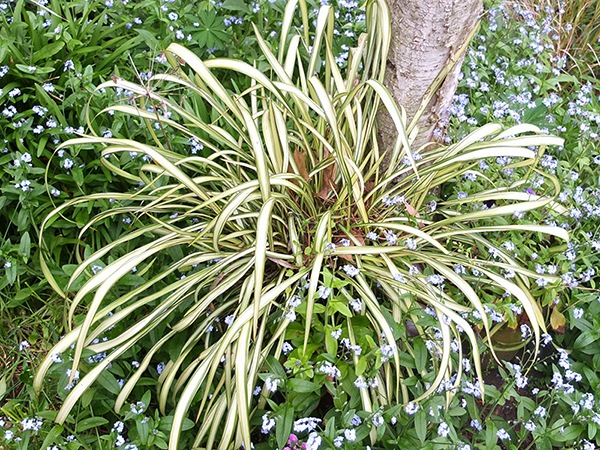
(91, 422)
(361, 366)
(421, 355)
(237, 5)
(53, 436)
(585, 339)
(421, 423)
(285, 422)
(303, 386)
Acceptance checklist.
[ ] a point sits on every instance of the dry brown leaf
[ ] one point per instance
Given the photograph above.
(347, 258)
(558, 321)
(328, 177)
(300, 158)
(284, 263)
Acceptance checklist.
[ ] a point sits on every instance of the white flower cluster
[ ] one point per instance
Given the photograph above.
(32, 424)
(271, 384)
(387, 351)
(313, 442)
(350, 270)
(267, 424)
(327, 368)
(138, 407)
(520, 379)
(306, 424)
(356, 304)
(357, 349)
(362, 383)
(293, 303)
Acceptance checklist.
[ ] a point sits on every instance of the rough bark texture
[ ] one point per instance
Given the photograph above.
(425, 33)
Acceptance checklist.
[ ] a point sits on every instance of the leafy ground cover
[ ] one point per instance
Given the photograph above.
(513, 73)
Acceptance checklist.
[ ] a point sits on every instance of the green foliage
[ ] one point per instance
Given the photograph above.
(211, 32)
(285, 219)
(53, 55)
(507, 76)
(506, 55)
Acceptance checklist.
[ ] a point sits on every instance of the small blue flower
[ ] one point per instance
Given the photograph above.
(350, 270)
(503, 434)
(138, 407)
(411, 243)
(443, 429)
(435, 279)
(324, 292)
(267, 424)
(377, 420)
(540, 411)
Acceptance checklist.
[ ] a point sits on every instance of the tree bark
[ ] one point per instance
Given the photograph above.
(425, 34)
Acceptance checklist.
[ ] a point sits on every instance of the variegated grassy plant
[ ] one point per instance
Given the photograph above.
(293, 164)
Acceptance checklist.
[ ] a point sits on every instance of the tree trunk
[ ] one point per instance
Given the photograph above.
(425, 34)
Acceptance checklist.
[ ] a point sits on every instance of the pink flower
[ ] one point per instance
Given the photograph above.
(293, 440)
